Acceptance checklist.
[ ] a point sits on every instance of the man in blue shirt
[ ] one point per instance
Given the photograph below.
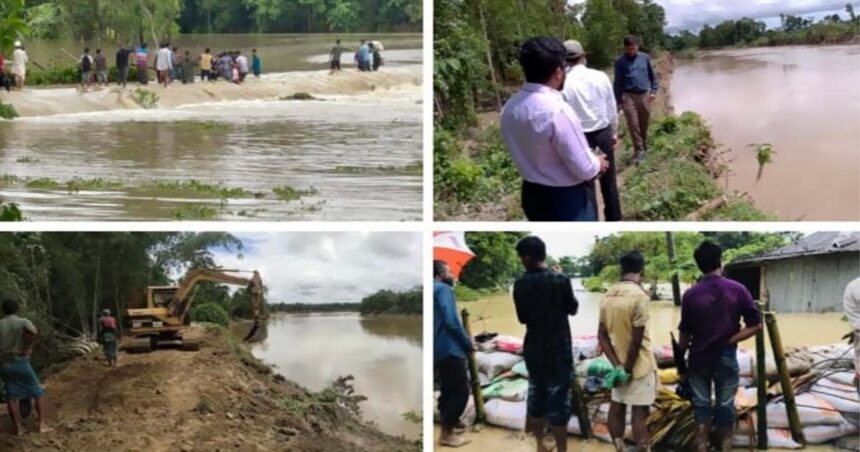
(363, 57)
(636, 86)
(450, 345)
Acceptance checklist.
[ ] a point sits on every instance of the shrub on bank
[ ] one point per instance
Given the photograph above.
(69, 75)
(211, 313)
(7, 111)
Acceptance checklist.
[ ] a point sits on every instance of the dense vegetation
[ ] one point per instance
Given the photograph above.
(64, 279)
(793, 30)
(303, 308)
(148, 19)
(210, 313)
(496, 263)
(395, 303)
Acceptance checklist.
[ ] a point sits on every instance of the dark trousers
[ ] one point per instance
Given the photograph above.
(5, 82)
(121, 75)
(608, 184)
(453, 390)
(543, 203)
(205, 75)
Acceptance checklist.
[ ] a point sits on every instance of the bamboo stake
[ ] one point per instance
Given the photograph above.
(761, 387)
(581, 409)
(480, 415)
(785, 378)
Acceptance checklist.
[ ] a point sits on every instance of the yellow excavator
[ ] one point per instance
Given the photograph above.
(167, 312)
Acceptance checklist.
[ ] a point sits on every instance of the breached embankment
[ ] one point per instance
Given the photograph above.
(68, 100)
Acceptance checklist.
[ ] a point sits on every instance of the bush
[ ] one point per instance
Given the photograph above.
(211, 313)
(465, 293)
(7, 111)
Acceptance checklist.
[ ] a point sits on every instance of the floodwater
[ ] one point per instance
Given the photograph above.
(805, 101)
(497, 314)
(384, 354)
(353, 153)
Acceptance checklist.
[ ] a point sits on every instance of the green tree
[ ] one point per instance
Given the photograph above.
(604, 32)
(496, 261)
(211, 313)
(12, 23)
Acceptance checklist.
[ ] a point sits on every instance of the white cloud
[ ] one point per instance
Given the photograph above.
(576, 244)
(329, 267)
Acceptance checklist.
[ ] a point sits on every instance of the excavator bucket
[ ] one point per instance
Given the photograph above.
(252, 333)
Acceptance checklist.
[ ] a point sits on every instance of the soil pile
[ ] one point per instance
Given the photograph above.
(217, 398)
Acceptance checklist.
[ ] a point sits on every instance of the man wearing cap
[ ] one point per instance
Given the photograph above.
(636, 87)
(589, 92)
(546, 142)
(19, 64)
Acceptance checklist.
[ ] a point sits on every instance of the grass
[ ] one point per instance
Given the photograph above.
(145, 98)
(195, 212)
(7, 111)
(412, 169)
(26, 160)
(287, 193)
(201, 188)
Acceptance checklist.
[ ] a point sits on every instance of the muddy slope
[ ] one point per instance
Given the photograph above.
(209, 400)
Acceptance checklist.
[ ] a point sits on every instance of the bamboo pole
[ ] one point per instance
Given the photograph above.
(581, 409)
(761, 387)
(480, 414)
(785, 378)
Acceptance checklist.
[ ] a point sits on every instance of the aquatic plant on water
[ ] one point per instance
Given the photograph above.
(145, 98)
(7, 111)
(287, 193)
(764, 156)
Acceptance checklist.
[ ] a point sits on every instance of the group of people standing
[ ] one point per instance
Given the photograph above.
(170, 65)
(561, 129)
(710, 330)
(368, 57)
(18, 74)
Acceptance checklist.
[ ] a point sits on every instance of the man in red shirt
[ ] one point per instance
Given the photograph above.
(4, 79)
(108, 337)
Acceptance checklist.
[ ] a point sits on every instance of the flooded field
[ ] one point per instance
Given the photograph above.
(384, 355)
(497, 314)
(218, 151)
(805, 101)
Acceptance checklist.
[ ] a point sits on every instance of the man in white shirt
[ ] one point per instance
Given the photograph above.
(19, 65)
(590, 93)
(546, 142)
(242, 61)
(851, 303)
(164, 64)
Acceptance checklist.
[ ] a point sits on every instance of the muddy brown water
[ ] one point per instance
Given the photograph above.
(384, 354)
(805, 101)
(496, 313)
(352, 146)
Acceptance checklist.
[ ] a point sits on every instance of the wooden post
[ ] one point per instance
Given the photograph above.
(785, 378)
(764, 294)
(676, 285)
(480, 414)
(761, 386)
(580, 406)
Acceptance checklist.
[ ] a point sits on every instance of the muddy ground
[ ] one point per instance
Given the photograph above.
(215, 399)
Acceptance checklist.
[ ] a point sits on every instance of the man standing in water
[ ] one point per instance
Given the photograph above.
(164, 64)
(851, 304)
(4, 79)
(450, 346)
(544, 299)
(122, 56)
(17, 337)
(86, 69)
(624, 338)
(244, 67)
(334, 57)
(19, 65)
(589, 92)
(546, 141)
(141, 58)
(363, 57)
(636, 87)
(256, 64)
(206, 66)
(101, 68)
(710, 328)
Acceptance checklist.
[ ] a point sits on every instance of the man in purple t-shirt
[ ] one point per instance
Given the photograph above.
(710, 328)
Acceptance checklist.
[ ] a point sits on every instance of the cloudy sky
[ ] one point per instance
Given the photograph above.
(693, 14)
(328, 267)
(568, 243)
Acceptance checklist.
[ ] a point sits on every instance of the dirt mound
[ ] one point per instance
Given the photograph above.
(217, 398)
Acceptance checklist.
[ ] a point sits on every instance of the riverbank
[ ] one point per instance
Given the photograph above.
(475, 178)
(71, 100)
(219, 397)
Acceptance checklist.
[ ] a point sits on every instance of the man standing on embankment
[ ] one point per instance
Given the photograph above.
(450, 346)
(636, 87)
(546, 142)
(17, 337)
(589, 92)
(710, 328)
(543, 300)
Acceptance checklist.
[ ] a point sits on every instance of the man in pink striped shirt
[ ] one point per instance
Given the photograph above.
(546, 141)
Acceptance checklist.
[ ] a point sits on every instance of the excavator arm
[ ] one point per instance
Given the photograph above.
(180, 304)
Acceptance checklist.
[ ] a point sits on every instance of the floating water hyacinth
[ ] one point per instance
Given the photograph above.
(764, 155)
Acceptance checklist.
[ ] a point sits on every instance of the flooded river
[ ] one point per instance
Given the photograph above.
(805, 101)
(496, 314)
(382, 353)
(218, 151)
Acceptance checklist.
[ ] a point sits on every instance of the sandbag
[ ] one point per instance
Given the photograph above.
(601, 431)
(493, 364)
(668, 376)
(509, 415)
(797, 365)
(469, 413)
(665, 356)
(811, 410)
(820, 434)
(845, 400)
(508, 344)
(746, 398)
(520, 369)
(843, 378)
(745, 363)
(599, 367)
(511, 390)
(573, 426)
(777, 438)
(601, 415)
(584, 347)
(850, 442)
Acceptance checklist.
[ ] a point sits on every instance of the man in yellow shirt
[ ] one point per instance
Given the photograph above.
(623, 332)
(206, 66)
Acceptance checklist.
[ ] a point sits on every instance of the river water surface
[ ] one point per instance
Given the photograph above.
(384, 355)
(805, 101)
(226, 152)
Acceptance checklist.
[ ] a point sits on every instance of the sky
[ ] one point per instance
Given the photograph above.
(560, 244)
(693, 14)
(328, 267)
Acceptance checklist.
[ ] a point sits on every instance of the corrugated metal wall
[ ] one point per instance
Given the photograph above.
(811, 284)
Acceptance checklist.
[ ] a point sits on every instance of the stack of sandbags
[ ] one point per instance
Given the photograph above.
(467, 418)
(584, 347)
(512, 416)
(491, 365)
(510, 390)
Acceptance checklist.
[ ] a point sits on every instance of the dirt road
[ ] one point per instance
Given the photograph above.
(218, 398)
